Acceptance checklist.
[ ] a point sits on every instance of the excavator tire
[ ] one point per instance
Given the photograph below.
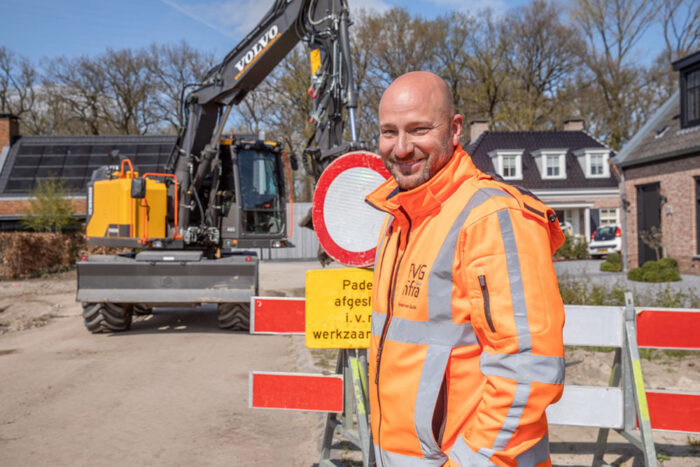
(107, 317)
(139, 309)
(234, 316)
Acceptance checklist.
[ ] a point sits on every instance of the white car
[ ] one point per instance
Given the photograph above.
(604, 240)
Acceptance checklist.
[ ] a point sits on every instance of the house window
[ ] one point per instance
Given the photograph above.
(508, 163)
(553, 166)
(550, 162)
(597, 164)
(608, 216)
(509, 166)
(692, 98)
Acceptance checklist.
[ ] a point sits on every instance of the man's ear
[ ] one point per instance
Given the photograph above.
(456, 128)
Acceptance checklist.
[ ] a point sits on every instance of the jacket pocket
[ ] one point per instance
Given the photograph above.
(487, 302)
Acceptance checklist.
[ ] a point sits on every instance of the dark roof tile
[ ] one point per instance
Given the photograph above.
(531, 141)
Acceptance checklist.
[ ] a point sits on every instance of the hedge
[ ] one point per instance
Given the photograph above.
(25, 254)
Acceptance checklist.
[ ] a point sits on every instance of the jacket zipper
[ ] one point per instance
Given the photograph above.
(487, 302)
(389, 313)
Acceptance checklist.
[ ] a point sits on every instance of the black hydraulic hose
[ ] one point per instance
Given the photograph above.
(347, 58)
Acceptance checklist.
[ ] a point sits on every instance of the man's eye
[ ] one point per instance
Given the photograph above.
(421, 130)
(388, 133)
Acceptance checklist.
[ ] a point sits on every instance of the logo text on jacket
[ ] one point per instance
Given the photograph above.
(416, 274)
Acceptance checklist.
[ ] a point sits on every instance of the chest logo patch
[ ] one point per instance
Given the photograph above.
(416, 275)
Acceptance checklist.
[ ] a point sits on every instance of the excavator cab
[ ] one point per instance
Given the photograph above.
(253, 183)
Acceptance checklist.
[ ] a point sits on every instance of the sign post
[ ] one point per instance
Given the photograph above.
(338, 314)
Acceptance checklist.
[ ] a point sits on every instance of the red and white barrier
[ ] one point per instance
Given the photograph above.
(296, 391)
(277, 315)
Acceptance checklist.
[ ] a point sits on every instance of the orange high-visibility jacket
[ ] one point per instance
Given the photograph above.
(466, 349)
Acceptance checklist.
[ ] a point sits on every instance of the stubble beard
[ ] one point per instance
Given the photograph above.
(411, 180)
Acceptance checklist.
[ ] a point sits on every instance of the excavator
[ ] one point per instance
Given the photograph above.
(190, 229)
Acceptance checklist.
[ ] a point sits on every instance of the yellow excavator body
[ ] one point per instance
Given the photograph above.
(116, 214)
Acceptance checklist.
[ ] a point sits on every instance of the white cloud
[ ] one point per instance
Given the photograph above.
(472, 6)
(369, 5)
(232, 18)
(235, 18)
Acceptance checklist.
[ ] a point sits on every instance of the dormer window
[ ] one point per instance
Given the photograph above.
(508, 163)
(551, 163)
(691, 112)
(597, 164)
(594, 162)
(689, 68)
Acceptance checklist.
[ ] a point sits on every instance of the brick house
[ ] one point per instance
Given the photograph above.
(660, 169)
(24, 160)
(568, 170)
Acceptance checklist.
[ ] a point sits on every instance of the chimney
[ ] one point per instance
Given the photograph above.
(573, 124)
(476, 128)
(9, 129)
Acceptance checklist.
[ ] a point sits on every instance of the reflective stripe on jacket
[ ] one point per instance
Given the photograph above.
(466, 346)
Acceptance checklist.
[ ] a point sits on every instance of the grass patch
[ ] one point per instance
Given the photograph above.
(577, 290)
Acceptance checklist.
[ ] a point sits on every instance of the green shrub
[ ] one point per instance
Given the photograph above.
(607, 266)
(614, 258)
(668, 263)
(580, 249)
(636, 274)
(572, 248)
(664, 270)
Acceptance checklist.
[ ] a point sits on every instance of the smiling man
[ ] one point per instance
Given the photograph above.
(466, 347)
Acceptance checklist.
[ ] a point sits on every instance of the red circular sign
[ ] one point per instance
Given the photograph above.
(346, 226)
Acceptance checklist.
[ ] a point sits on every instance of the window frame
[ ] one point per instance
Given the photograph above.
(584, 159)
(686, 122)
(498, 156)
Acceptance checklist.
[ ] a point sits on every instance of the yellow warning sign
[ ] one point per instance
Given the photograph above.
(338, 308)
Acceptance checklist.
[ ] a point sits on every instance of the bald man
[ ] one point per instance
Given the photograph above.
(466, 347)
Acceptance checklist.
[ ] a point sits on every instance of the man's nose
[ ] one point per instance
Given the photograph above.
(404, 147)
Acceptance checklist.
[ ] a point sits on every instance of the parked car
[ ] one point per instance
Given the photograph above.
(604, 240)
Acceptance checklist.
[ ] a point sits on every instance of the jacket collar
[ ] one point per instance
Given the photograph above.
(430, 195)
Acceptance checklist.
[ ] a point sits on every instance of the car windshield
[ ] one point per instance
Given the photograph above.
(605, 233)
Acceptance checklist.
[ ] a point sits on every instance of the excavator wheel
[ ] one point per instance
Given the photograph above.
(139, 309)
(107, 317)
(234, 316)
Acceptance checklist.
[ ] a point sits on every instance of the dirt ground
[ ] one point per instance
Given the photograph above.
(174, 389)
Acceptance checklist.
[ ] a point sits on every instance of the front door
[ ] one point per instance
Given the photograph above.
(648, 216)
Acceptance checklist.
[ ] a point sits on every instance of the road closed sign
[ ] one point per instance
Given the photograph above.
(346, 226)
(338, 308)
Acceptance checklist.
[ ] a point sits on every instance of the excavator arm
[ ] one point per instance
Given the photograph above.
(323, 25)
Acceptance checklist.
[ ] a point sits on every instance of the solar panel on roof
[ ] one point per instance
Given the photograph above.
(73, 159)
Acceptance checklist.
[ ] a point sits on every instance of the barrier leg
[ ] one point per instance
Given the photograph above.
(332, 422)
(640, 398)
(355, 403)
(602, 440)
(359, 380)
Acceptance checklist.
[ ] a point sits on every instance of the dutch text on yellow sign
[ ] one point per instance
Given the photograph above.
(338, 308)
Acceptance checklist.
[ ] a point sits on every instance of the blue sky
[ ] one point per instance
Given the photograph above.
(40, 29)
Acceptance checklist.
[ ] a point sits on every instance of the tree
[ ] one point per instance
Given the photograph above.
(50, 209)
(612, 30)
(541, 60)
(172, 67)
(487, 73)
(18, 88)
(681, 26)
(78, 88)
(130, 107)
